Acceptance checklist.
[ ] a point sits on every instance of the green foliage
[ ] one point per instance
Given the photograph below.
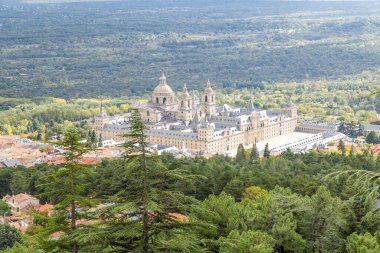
(142, 217)
(295, 211)
(240, 155)
(254, 154)
(253, 193)
(358, 243)
(67, 187)
(8, 236)
(325, 223)
(372, 138)
(19, 182)
(266, 151)
(247, 242)
(68, 62)
(20, 248)
(4, 208)
(342, 147)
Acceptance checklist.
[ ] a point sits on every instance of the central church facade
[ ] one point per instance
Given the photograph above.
(198, 123)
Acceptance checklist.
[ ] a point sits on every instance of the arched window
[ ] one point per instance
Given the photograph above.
(182, 104)
(164, 101)
(206, 99)
(157, 101)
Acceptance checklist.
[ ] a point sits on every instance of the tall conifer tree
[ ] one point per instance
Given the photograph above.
(149, 211)
(66, 187)
(266, 151)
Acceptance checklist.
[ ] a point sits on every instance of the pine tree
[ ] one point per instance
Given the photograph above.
(39, 136)
(266, 151)
(100, 143)
(240, 154)
(144, 216)
(352, 151)
(254, 155)
(93, 137)
(372, 138)
(342, 147)
(89, 136)
(66, 186)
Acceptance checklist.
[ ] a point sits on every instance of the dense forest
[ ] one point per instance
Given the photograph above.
(118, 48)
(315, 202)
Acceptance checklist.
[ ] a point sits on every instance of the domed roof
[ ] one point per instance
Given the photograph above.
(163, 87)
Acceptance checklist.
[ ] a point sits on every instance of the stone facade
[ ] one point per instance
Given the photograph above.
(188, 122)
(21, 203)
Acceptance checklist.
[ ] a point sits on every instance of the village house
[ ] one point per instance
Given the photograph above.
(21, 203)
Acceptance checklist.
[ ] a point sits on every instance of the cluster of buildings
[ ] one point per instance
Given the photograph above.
(16, 151)
(197, 123)
(20, 207)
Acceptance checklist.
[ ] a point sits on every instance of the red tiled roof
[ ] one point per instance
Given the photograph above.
(178, 217)
(56, 235)
(44, 208)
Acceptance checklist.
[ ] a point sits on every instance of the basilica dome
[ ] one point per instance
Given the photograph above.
(163, 94)
(163, 88)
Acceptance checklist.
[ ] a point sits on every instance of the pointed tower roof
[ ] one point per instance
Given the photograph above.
(194, 95)
(196, 119)
(103, 112)
(251, 107)
(185, 93)
(290, 103)
(208, 88)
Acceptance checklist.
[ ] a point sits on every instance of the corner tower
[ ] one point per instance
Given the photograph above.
(100, 119)
(292, 109)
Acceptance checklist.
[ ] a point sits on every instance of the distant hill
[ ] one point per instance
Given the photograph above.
(119, 48)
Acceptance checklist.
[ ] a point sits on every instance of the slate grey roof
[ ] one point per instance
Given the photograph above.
(369, 127)
(12, 163)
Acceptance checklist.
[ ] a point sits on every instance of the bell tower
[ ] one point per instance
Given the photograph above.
(208, 100)
(185, 106)
(100, 119)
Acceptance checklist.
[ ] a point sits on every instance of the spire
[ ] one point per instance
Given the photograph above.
(208, 84)
(163, 79)
(251, 107)
(290, 103)
(184, 88)
(196, 119)
(194, 95)
(102, 111)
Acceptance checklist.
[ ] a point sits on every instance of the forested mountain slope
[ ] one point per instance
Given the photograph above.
(118, 48)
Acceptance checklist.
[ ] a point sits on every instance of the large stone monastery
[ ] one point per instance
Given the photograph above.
(199, 124)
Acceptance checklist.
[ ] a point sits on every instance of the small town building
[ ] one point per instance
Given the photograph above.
(21, 203)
